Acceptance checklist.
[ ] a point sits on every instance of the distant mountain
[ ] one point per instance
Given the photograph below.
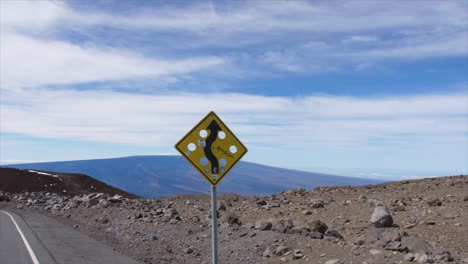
(17, 180)
(156, 176)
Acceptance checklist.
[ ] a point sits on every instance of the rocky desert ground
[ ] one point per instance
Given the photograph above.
(414, 221)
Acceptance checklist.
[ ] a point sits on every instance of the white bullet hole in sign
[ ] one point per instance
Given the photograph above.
(204, 161)
(203, 133)
(223, 162)
(192, 146)
(221, 135)
(233, 149)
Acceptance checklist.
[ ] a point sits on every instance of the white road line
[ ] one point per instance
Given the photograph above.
(28, 247)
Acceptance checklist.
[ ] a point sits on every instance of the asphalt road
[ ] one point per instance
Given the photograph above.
(29, 238)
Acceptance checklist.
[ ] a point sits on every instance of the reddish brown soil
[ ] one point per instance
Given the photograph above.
(16, 181)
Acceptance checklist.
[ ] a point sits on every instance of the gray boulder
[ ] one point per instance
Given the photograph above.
(318, 226)
(381, 217)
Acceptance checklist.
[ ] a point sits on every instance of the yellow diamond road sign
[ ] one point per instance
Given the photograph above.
(212, 148)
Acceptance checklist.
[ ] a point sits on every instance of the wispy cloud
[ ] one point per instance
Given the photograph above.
(32, 58)
(30, 62)
(157, 119)
(287, 36)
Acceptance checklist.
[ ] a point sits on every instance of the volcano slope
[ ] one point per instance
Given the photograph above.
(421, 221)
(18, 180)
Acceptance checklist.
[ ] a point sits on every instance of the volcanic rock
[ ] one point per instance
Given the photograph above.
(263, 225)
(381, 217)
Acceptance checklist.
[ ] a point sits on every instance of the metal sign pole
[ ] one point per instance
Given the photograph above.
(214, 225)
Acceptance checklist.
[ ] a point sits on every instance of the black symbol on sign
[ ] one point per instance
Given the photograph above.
(214, 129)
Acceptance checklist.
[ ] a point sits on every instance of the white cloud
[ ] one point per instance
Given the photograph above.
(30, 57)
(361, 39)
(34, 62)
(261, 16)
(292, 36)
(453, 45)
(154, 120)
(16, 161)
(30, 15)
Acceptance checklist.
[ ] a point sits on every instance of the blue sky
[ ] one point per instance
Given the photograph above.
(359, 88)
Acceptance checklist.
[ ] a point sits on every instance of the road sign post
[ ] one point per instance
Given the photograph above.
(214, 224)
(213, 150)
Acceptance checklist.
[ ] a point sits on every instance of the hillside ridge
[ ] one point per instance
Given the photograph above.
(158, 176)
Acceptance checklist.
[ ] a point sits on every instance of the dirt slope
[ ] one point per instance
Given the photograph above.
(330, 225)
(15, 181)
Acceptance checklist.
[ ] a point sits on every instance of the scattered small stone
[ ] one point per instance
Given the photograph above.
(267, 253)
(232, 218)
(298, 254)
(399, 208)
(306, 212)
(425, 259)
(316, 203)
(395, 246)
(410, 225)
(443, 255)
(362, 197)
(274, 205)
(188, 250)
(434, 202)
(316, 235)
(361, 240)
(333, 261)
(281, 250)
(335, 234)
(222, 207)
(430, 222)
(263, 225)
(409, 257)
